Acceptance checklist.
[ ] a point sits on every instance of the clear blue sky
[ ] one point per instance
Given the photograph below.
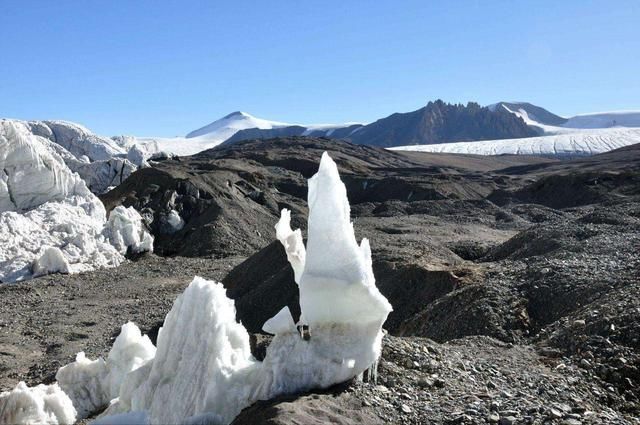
(166, 68)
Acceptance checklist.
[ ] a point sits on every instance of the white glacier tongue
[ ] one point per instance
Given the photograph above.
(49, 220)
(203, 370)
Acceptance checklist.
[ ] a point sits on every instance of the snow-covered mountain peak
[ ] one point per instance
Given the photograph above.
(239, 114)
(225, 127)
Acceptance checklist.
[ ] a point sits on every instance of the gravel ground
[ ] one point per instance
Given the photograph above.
(44, 322)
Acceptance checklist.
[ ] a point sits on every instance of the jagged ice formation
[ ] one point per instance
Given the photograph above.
(203, 370)
(49, 220)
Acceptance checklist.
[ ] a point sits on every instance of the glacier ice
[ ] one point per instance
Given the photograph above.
(203, 371)
(125, 231)
(43, 404)
(202, 358)
(82, 387)
(292, 243)
(101, 162)
(92, 384)
(47, 210)
(50, 261)
(564, 143)
(76, 139)
(174, 221)
(281, 323)
(32, 172)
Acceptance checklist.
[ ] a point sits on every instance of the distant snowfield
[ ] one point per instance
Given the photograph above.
(596, 120)
(605, 119)
(570, 143)
(219, 131)
(586, 134)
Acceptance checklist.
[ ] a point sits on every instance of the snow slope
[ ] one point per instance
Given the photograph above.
(203, 370)
(541, 120)
(573, 143)
(548, 123)
(228, 125)
(209, 136)
(49, 220)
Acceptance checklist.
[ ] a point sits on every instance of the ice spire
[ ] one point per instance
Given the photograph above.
(203, 370)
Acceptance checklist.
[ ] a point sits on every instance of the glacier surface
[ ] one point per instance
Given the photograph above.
(564, 143)
(580, 135)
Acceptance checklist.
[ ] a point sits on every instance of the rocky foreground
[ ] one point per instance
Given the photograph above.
(514, 280)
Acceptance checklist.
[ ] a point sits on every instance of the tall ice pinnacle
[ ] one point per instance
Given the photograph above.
(203, 370)
(337, 284)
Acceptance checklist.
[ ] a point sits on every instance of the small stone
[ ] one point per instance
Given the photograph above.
(405, 408)
(425, 382)
(579, 323)
(382, 388)
(493, 418)
(555, 413)
(507, 420)
(571, 422)
(579, 409)
(585, 364)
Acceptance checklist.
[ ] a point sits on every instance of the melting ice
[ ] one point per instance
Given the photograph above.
(203, 370)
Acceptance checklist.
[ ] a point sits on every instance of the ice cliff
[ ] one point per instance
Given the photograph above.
(203, 370)
(49, 219)
(100, 161)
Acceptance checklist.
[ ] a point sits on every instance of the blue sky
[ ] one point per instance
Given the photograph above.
(166, 68)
